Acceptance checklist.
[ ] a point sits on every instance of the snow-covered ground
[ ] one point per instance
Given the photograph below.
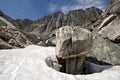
(29, 64)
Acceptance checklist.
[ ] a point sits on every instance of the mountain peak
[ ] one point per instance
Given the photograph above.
(1, 13)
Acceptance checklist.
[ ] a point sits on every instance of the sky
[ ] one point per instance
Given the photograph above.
(35, 9)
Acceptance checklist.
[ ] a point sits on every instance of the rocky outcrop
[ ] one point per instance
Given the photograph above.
(9, 25)
(106, 21)
(8, 21)
(113, 8)
(47, 26)
(112, 30)
(105, 50)
(12, 38)
(53, 21)
(24, 24)
(72, 46)
(106, 39)
(5, 45)
(106, 43)
(82, 18)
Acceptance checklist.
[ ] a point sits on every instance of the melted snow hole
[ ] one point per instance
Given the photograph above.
(88, 66)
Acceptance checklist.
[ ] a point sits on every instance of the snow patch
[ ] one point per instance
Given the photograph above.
(29, 64)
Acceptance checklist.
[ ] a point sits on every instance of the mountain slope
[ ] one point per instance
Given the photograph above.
(46, 26)
(11, 36)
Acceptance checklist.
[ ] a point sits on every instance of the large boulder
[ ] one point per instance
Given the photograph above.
(105, 50)
(72, 44)
(106, 41)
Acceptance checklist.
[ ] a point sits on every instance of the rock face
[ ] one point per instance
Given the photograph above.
(8, 21)
(47, 25)
(9, 25)
(105, 50)
(106, 40)
(71, 43)
(113, 8)
(82, 18)
(116, 8)
(24, 24)
(5, 45)
(13, 38)
(112, 30)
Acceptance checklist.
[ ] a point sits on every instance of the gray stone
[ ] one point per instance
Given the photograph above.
(112, 30)
(106, 21)
(105, 50)
(46, 43)
(106, 40)
(53, 63)
(115, 9)
(4, 45)
(71, 42)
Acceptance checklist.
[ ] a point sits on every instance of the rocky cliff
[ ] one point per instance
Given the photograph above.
(47, 25)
